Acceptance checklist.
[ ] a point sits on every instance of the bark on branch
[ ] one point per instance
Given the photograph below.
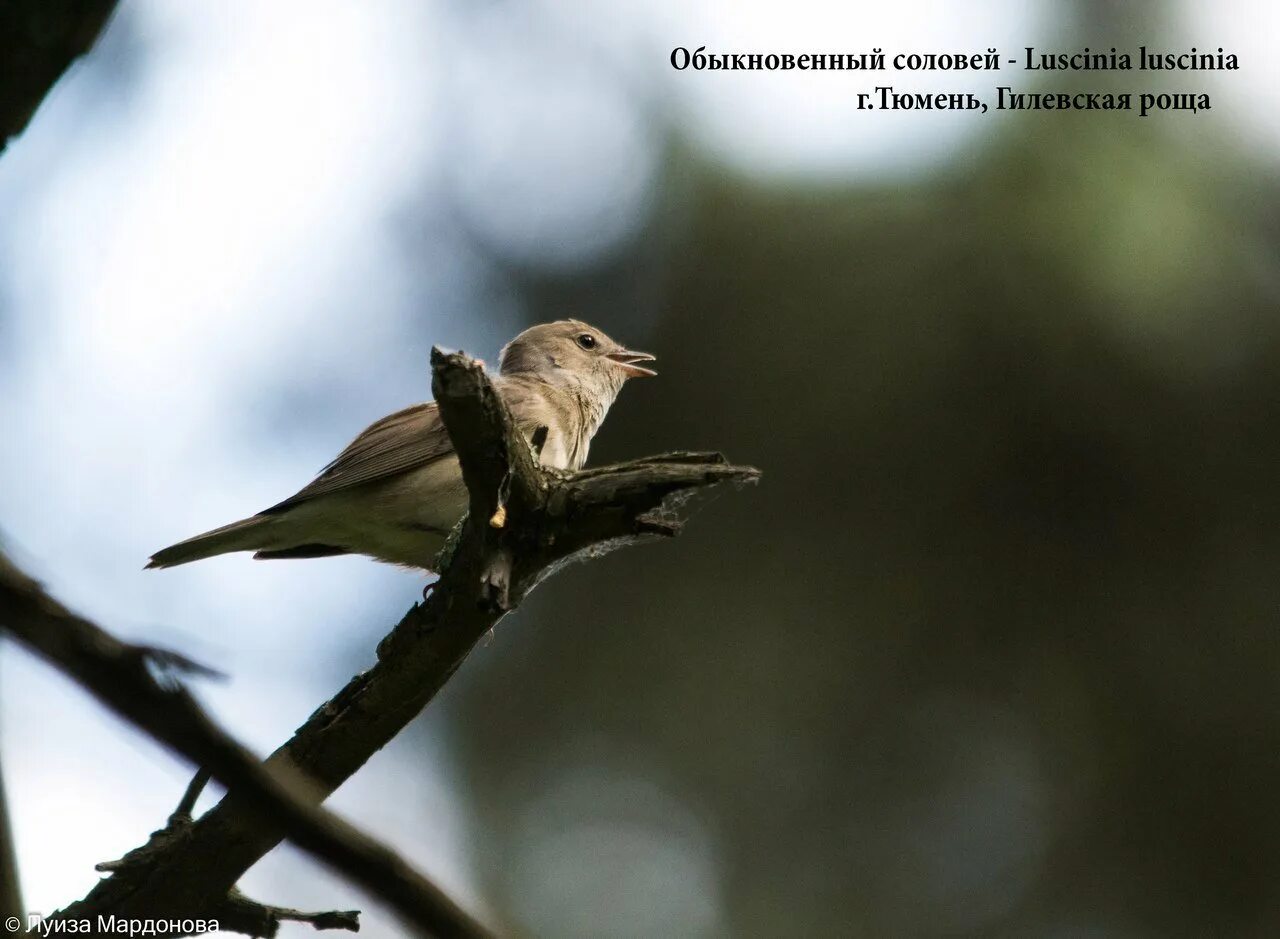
(524, 523)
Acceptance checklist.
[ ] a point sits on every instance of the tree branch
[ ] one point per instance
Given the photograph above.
(524, 523)
(39, 39)
(123, 678)
(10, 884)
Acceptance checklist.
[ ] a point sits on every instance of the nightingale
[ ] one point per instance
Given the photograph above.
(396, 491)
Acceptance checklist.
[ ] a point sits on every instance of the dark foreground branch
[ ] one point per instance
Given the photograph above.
(524, 523)
(10, 887)
(136, 682)
(38, 40)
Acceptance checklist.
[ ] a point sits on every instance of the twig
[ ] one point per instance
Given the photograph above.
(192, 794)
(242, 915)
(10, 885)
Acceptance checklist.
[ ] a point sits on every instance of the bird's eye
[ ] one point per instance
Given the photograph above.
(587, 341)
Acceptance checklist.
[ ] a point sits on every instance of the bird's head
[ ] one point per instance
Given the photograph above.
(569, 352)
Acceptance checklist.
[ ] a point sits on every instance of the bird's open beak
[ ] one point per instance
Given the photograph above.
(628, 360)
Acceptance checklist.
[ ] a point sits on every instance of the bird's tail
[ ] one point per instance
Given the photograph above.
(248, 534)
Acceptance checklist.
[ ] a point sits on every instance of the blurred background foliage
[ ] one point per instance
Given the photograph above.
(991, 651)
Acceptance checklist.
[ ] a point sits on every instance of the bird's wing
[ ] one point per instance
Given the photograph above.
(401, 441)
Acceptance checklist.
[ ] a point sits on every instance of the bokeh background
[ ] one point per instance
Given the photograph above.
(991, 651)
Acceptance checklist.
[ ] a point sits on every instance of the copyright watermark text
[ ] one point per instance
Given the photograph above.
(38, 925)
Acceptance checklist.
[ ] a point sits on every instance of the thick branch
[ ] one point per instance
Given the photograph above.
(121, 677)
(39, 39)
(547, 518)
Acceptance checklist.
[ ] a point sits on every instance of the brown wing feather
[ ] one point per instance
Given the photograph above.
(399, 442)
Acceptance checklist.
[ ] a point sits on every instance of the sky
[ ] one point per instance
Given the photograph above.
(227, 243)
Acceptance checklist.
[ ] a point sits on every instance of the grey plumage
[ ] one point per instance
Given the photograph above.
(396, 491)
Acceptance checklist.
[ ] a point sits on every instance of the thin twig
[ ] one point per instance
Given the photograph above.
(10, 885)
(192, 794)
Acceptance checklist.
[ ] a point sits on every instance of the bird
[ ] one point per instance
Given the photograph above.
(396, 491)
